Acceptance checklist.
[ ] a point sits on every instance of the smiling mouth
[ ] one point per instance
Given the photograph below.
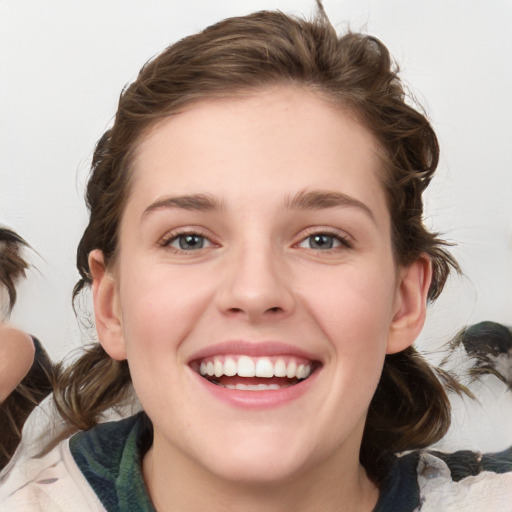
(241, 372)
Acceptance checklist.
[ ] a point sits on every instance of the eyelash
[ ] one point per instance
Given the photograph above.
(345, 242)
(169, 238)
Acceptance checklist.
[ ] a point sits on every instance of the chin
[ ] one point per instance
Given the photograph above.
(263, 458)
(250, 470)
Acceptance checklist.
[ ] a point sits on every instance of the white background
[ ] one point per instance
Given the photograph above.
(63, 64)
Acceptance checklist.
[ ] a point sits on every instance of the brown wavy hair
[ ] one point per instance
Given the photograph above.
(235, 57)
(12, 264)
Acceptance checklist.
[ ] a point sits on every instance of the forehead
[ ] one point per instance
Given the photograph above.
(271, 140)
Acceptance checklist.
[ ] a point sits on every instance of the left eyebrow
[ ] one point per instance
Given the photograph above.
(197, 202)
(318, 200)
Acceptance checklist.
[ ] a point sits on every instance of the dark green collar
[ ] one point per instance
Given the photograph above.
(110, 458)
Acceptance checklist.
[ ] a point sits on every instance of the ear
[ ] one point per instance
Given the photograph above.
(410, 304)
(107, 310)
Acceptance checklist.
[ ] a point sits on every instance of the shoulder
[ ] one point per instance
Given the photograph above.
(44, 474)
(430, 481)
(465, 481)
(52, 482)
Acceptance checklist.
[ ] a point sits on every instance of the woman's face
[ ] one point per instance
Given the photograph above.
(255, 246)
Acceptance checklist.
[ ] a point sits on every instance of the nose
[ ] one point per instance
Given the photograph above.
(255, 285)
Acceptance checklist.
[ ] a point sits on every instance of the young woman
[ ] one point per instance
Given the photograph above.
(25, 367)
(16, 347)
(260, 271)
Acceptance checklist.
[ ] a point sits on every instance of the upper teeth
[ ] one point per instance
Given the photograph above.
(245, 366)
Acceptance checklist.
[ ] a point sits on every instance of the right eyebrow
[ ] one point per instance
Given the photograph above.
(197, 202)
(318, 200)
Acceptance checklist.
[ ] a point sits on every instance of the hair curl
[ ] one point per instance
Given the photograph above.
(12, 264)
(354, 71)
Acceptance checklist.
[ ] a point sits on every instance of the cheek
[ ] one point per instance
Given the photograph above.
(159, 311)
(353, 302)
(355, 312)
(160, 307)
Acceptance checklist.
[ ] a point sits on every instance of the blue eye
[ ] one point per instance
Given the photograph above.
(188, 242)
(323, 242)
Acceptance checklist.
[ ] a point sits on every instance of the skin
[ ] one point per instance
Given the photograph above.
(16, 357)
(258, 277)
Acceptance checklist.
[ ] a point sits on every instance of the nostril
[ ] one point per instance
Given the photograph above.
(275, 309)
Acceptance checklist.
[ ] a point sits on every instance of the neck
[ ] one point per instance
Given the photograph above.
(177, 484)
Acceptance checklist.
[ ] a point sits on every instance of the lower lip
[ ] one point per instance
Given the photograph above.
(263, 399)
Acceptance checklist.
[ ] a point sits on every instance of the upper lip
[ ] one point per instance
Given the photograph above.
(252, 349)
